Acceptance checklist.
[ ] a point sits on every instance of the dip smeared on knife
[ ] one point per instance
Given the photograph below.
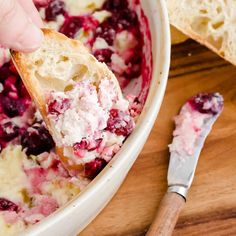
(193, 124)
(195, 121)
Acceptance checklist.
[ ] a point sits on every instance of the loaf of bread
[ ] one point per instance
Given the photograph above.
(210, 22)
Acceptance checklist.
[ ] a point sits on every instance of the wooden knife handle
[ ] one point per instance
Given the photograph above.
(167, 215)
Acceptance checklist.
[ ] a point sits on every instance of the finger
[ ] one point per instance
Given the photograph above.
(32, 11)
(17, 30)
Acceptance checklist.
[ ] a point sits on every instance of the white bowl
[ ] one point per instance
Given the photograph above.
(77, 214)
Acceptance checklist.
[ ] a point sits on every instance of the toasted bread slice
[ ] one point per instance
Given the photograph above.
(54, 66)
(176, 36)
(211, 23)
(57, 65)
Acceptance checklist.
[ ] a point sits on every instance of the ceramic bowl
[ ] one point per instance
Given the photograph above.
(78, 213)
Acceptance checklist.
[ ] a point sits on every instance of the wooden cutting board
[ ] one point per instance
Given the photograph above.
(211, 205)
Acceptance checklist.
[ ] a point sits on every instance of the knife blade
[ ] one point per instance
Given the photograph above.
(182, 164)
(193, 125)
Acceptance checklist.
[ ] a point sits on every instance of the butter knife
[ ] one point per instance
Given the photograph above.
(193, 125)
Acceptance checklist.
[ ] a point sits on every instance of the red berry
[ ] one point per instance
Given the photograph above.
(36, 140)
(58, 107)
(103, 55)
(208, 103)
(9, 83)
(54, 8)
(120, 123)
(93, 168)
(13, 68)
(71, 26)
(13, 108)
(9, 131)
(95, 144)
(82, 145)
(107, 32)
(7, 205)
(115, 5)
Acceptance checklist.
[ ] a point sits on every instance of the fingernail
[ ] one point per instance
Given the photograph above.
(30, 39)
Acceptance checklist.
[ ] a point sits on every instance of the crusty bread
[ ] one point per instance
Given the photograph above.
(210, 22)
(55, 66)
(177, 36)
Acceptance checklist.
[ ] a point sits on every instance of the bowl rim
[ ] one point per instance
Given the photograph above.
(142, 130)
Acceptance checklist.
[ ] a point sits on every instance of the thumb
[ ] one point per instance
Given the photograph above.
(17, 31)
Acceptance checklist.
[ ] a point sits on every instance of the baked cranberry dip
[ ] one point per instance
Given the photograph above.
(34, 182)
(91, 122)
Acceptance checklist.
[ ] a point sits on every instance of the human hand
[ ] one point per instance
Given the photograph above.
(20, 25)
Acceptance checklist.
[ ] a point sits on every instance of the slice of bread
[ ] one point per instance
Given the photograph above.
(211, 23)
(177, 36)
(56, 66)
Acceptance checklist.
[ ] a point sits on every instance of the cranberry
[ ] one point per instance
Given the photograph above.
(9, 83)
(132, 71)
(56, 108)
(95, 144)
(120, 123)
(207, 103)
(93, 168)
(115, 5)
(103, 55)
(90, 23)
(36, 139)
(71, 26)
(5, 72)
(55, 165)
(40, 3)
(13, 107)
(9, 131)
(107, 32)
(13, 68)
(127, 19)
(23, 91)
(136, 57)
(81, 147)
(54, 8)
(83, 144)
(7, 205)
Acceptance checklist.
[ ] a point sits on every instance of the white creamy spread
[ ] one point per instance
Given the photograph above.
(100, 43)
(11, 230)
(4, 55)
(189, 124)
(118, 63)
(13, 179)
(101, 16)
(20, 175)
(124, 41)
(88, 112)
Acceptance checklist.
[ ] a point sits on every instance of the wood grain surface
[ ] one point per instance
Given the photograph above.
(211, 205)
